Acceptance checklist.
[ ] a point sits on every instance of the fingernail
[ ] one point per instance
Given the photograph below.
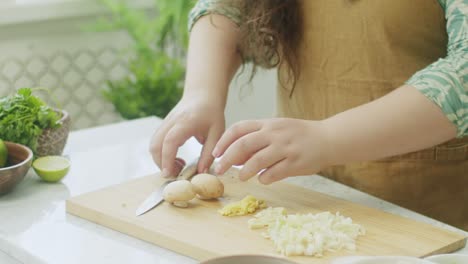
(215, 153)
(218, 168)
(245, 177)
(165, 173)
(264, 180)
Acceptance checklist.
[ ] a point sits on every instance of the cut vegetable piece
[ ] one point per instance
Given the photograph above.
(307, 234)
(266, 217)
(248, 205)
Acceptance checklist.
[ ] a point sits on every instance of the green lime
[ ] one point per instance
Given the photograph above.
(51, 168)
(3, 154)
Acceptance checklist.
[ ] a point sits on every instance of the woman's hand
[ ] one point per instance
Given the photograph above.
(273, 148)
(201, 118)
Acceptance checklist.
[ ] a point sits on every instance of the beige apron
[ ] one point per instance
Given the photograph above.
(355, 51)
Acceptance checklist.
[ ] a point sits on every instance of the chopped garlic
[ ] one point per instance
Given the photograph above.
(307, 234)
(266, 217)
(248, 205)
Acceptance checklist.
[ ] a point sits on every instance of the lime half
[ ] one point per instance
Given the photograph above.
(3, 154)
(51, 168)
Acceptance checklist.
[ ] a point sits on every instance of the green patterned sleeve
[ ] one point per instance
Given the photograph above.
(205, 7)
(445, 82)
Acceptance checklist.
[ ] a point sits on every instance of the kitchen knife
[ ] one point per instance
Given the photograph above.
(156, 197)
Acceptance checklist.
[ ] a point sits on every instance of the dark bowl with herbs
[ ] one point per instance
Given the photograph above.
(18, 163)
(26, 119)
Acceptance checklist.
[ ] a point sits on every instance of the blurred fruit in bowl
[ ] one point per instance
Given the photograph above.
(3, 154)
(18, 162)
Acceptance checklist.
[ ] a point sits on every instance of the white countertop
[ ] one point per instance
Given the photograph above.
(34, 227)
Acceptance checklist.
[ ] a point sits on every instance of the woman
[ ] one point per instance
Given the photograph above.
(375, 94)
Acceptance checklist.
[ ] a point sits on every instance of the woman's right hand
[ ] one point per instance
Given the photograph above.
(202, 118)
(212, 61)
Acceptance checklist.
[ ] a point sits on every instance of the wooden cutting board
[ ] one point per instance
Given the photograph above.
(200, 232)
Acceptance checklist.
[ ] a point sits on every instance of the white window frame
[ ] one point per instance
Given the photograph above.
(22, 11)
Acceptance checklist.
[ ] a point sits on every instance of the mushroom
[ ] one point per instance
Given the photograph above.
(178, 193)
(207, 186)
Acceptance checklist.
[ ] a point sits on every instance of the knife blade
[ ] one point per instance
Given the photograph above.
(156, 197)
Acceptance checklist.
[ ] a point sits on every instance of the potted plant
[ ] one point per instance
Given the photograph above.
(157, 67)
(28, 120)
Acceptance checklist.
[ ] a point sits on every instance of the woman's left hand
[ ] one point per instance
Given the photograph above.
(273, 148)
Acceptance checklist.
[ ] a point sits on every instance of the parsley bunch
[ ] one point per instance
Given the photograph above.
(23, 117)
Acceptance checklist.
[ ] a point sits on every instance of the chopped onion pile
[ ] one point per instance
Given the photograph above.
(307, 234)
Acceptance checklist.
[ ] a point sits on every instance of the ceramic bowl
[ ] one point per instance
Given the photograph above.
(18, 164)
(449, 258)
(247, 259)
(380, 260)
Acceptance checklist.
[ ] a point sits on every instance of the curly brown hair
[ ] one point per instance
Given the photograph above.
(271, 32)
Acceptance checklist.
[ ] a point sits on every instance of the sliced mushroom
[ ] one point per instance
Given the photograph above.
(207, 186)
(179, 193)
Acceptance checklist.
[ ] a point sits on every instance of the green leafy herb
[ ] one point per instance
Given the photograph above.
(24, 116)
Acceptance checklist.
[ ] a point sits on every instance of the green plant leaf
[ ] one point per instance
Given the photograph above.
(24, 116)
(155, 82)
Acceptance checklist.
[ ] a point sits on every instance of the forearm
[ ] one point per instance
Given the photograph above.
(212, 58)
(400, 122)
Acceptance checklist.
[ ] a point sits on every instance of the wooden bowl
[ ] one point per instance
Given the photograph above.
(247, 259)
(18, 164)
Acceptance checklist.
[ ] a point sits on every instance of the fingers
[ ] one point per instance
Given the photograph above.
(157, 143)
(263, 159)
(235, 132)
(274, 173)
(242, 150)
(174, 138)
(206, 159)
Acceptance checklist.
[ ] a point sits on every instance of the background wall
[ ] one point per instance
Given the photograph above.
(46, 45)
